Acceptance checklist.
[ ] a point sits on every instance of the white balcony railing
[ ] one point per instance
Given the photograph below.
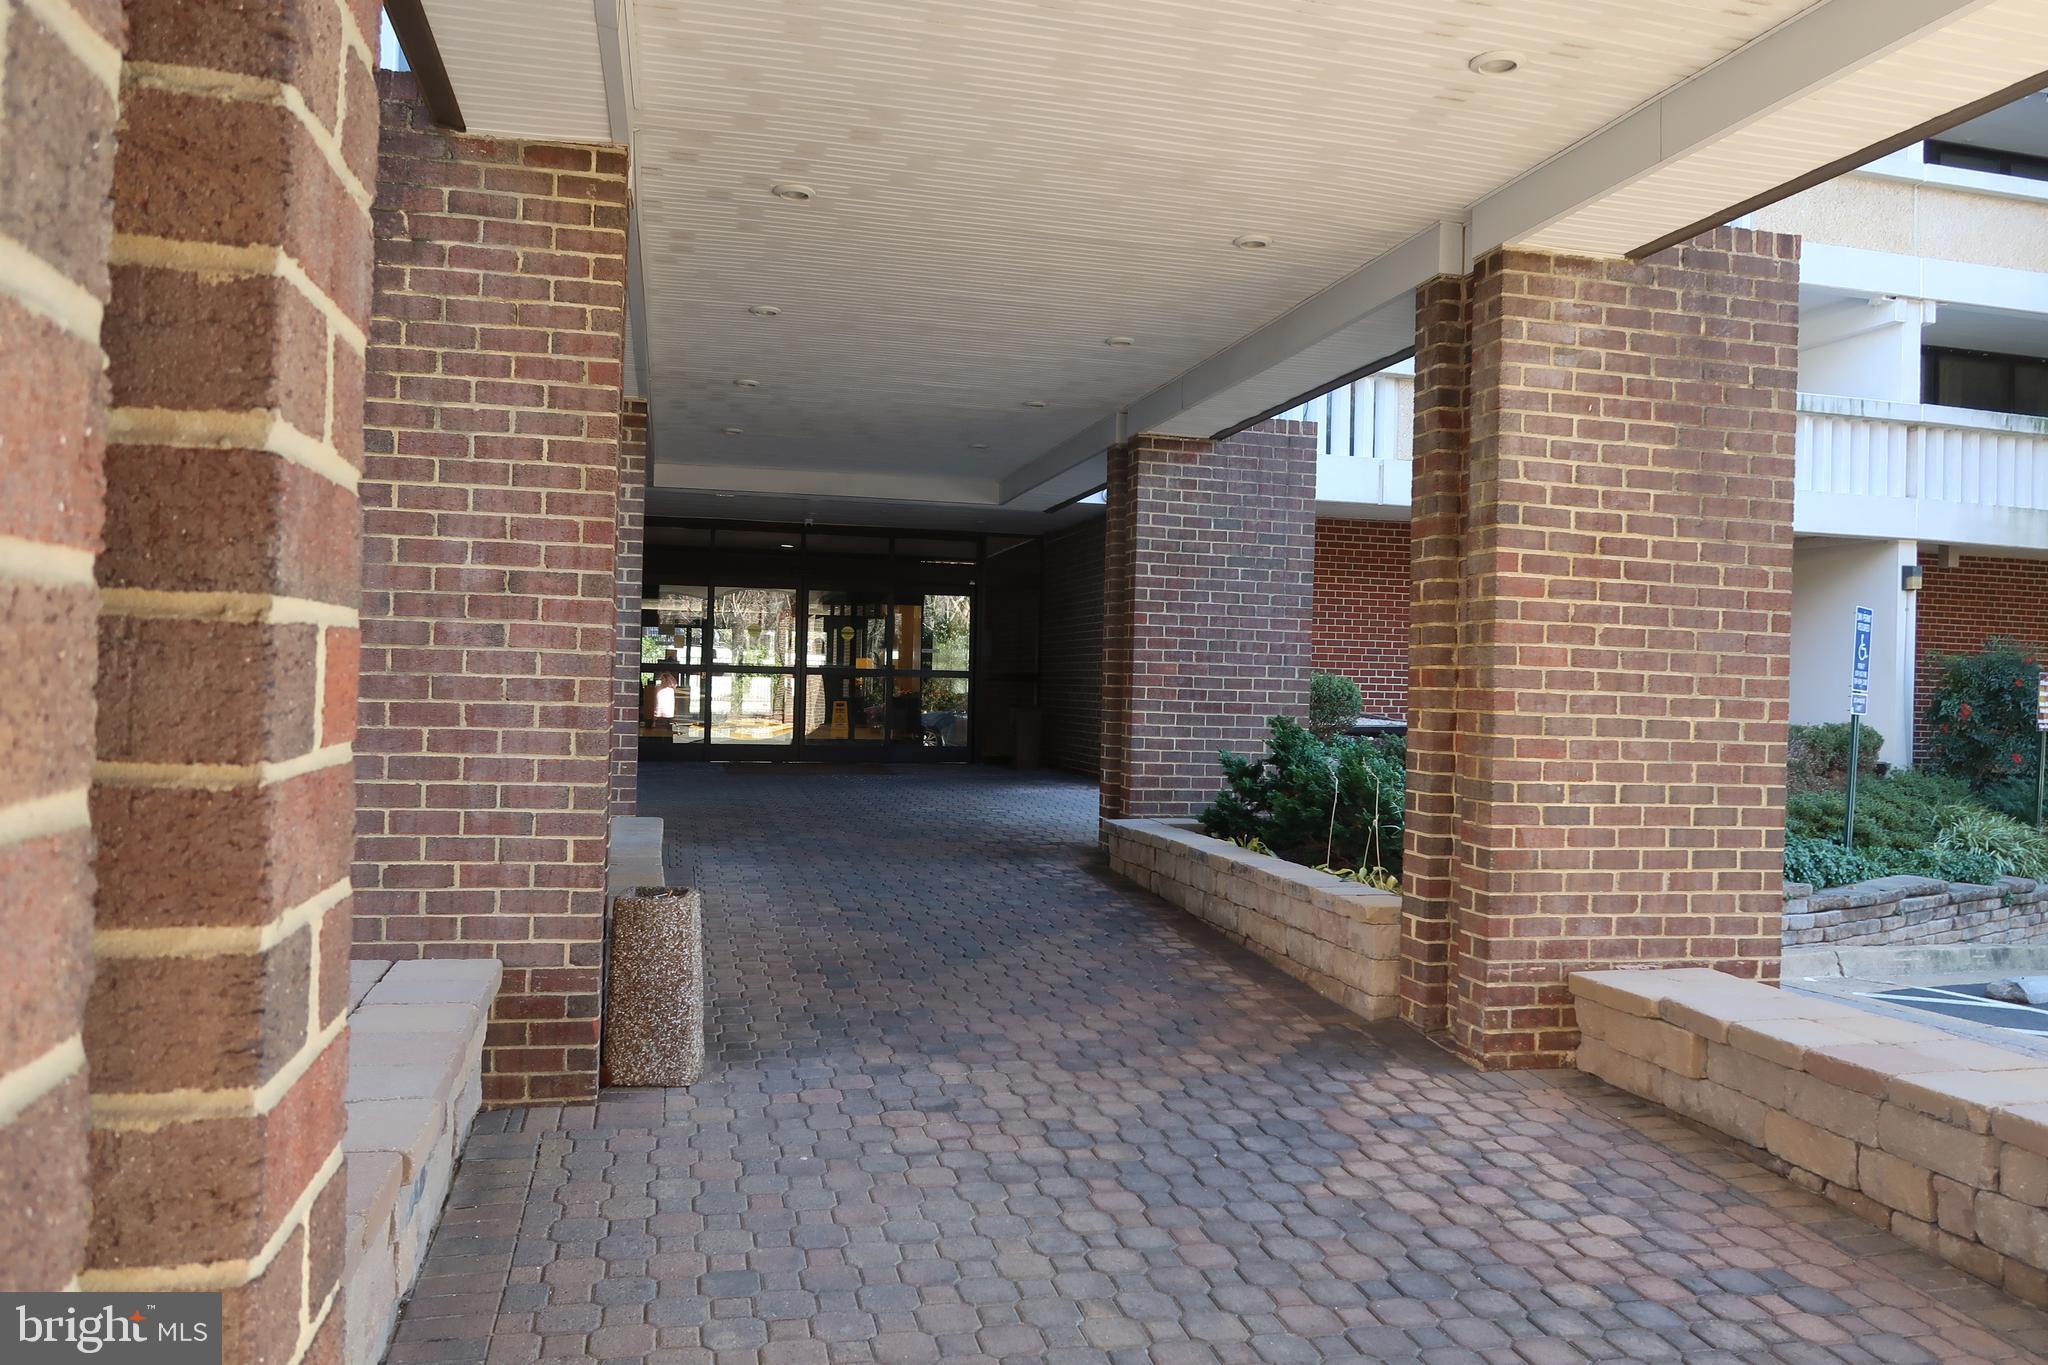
(1866, 468)
(1916, 471)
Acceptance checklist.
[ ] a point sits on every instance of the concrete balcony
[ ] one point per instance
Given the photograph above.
(1913, 471)
(1867, 469)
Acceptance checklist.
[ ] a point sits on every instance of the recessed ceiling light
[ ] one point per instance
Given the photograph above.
(793, 192)
(765, 310)
(1252, 241)
(734, 431)
(979, 445)
(789, 545)
(1035, 403)
(1119, 342)
(1495, 63)
(746, 383)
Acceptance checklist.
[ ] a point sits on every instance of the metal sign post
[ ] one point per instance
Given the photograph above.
(2041, 764)
(1859, 703)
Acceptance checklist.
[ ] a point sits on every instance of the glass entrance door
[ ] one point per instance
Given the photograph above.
(864, 673)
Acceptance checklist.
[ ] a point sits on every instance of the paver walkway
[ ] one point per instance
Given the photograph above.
(971, 1098)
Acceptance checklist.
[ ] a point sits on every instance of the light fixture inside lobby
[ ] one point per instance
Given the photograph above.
(1252, 241)
(764, 310)
(1495, 63)
(746, 383)
(794, 193)
(735, 431)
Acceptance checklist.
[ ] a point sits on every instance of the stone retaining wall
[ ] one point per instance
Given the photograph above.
(1339, 938)
(1904, 910)
(1940, 1139)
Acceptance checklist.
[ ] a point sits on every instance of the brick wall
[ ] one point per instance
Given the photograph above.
(1442, 454)
(1209, 568)
(58, 86)
(215, 1033)
(1070, 650)
(631, 521)
(1360, 628)
(489, 599)
(1983, 597)
(1623, 628)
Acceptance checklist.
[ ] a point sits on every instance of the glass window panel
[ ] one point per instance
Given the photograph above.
(848, 630)
(754, 627)
(934, 630)
(931, 712)
(1973, 381)
(2030, 387)
(673, 627)
(671, 704)
(844, 708)
(753, 708)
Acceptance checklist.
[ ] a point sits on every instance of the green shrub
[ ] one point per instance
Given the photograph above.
(2016, 850)
(1817, 756)
(2012, 796)
(1283, 799)
(1334, 702)
(1893, 812)
(1981, 721)
(1825, 863)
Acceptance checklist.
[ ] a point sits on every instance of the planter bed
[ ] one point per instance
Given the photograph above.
(1339, 938)
(1915, 910)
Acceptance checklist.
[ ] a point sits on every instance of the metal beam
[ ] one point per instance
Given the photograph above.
(423, 55)
(1364, 320)
(822, 483)
(1800, 56)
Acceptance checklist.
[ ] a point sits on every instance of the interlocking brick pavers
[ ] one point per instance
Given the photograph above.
(970, 1098)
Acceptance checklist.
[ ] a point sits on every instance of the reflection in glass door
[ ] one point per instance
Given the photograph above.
(673, 652)
(865, 672)
(933, 637)
(845, 660)
(753, 666)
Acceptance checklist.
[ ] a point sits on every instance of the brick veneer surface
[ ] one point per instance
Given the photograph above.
(489, 605)
(1360, 628)
(1209, 563)
(215, 1030)
(632, 544)
(1070, 650)
(58, 85)
(1622, 628)
(1960, 609)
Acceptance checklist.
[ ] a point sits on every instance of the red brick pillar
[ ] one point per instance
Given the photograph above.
(222, 796)
(1442, 450)
(1209, 575)
(60, 71)
(490, 604)
(1623, 641)
(632, 541)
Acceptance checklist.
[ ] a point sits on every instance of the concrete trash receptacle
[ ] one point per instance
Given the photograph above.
(654, 1003)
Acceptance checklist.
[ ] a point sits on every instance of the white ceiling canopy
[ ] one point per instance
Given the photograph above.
(977, 197)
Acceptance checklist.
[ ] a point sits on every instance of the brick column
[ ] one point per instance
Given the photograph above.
(632, 542)
(1436, 532)
(1209, 559)
(1623, 643)
(60, 71)
(227, 644)
(489, 607)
